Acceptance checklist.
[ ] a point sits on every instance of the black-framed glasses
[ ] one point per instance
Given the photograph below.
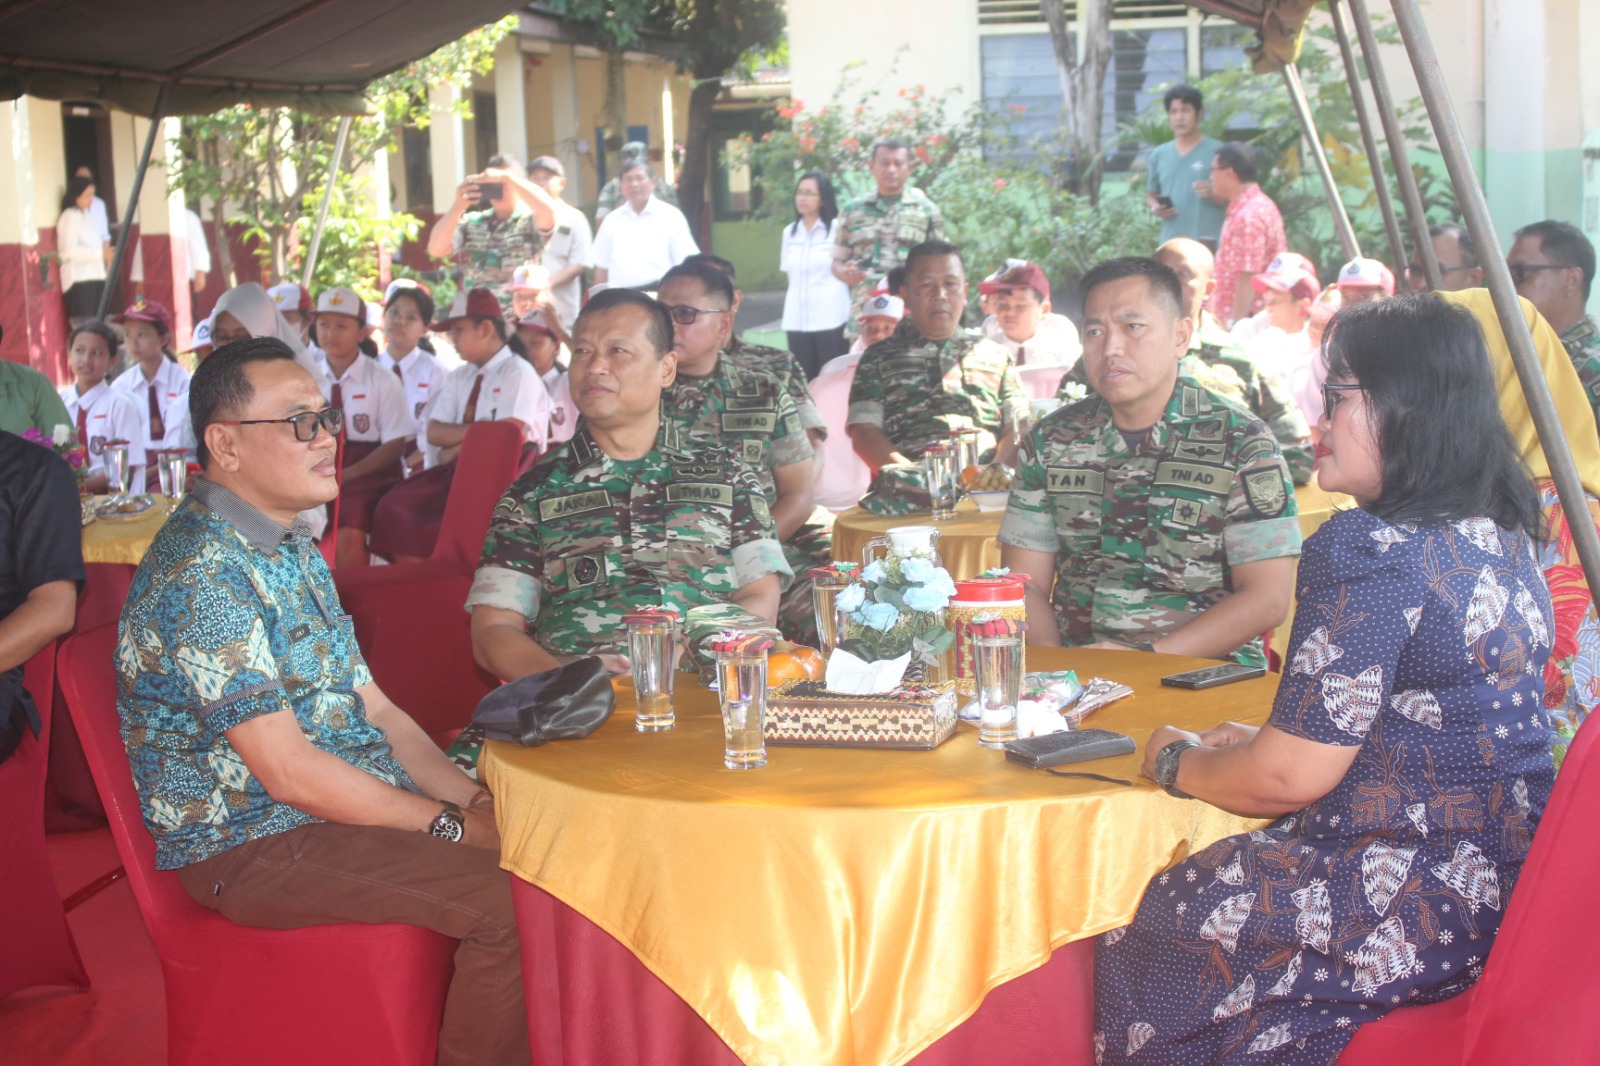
(305, 424)
(1520, 271)
(1331, 398)
(684, 315)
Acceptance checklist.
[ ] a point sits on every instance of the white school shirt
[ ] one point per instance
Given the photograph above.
(374, 402)
(563, 415)
(110, 416)
(1054, 343)
(511, 389)
(816, 300)
(172, 400)
(421, 376)
(569, 241)
(637, 247)
(78, 245)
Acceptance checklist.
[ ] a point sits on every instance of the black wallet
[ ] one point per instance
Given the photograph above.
(1074, 745)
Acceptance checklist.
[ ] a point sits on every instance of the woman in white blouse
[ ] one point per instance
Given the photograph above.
(83, 254)
(817, 304)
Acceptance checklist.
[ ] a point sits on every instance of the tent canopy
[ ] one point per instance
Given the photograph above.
(1279, 22)
(312, 55)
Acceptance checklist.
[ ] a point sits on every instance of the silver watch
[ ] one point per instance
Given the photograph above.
(1166, 770)
(449, 825)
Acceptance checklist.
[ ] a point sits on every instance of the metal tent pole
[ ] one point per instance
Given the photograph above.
(1369, 143)
(1397, 142)
(1330, 188)
(115, 271)
(1476, 209)
(327, 198)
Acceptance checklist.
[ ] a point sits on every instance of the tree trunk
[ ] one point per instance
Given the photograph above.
(616, 106)
(697, 150)
(1082, 87)
(219, 212)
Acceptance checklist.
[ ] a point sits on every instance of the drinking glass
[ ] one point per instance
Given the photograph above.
(824, 596)
(115, 455)
(174, 473)
(941, 477)
(742, 692)
(652, 646)
(999, 683)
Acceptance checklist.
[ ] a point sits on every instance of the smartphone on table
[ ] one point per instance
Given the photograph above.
(1212, 676)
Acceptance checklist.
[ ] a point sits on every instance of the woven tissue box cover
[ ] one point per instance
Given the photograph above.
(805, 713)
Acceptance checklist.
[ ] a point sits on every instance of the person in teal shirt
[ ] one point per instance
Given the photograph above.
(1179, 190)
(28, 400)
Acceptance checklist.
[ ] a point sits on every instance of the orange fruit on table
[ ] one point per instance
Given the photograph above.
(785, 666)
(816, 666)
(969, 476)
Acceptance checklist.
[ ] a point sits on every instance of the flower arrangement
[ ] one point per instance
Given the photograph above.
(64, 443)
(897, 607)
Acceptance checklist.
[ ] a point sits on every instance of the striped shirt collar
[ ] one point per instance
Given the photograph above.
(263, 533)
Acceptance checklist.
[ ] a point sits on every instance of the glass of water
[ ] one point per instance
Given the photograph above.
(742, 692)
(998, 663)
(940, 474)
(174, 470)
(824, 596)
(115, 455)
(652, 647)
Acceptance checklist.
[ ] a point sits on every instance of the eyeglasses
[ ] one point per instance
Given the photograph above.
(305, 424)
(1520, 271)
(1331, 398)
(685, 316)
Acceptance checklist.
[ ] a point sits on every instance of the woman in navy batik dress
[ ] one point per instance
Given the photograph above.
(1407, 737)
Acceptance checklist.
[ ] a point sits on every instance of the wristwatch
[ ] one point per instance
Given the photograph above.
(1166, 772)
(449, 825)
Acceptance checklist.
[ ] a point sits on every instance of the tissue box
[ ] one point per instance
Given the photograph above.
(805, 713)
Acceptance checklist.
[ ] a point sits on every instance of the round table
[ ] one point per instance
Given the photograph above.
(123, 540)
(839, 906)
(966, 542)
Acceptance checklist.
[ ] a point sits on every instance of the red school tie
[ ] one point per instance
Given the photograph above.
(83, 425)
(401, 376)
(158, 428)
(470, 413)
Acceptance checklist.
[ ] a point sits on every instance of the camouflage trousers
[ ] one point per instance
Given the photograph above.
(811, 545)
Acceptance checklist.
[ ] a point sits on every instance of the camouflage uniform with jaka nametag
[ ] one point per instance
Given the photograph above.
(1144, 540)
(753, 415)
(582, 539)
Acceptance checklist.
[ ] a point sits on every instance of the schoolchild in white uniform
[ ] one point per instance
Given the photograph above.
(157, 384)
(98, 413)
(407, 313)
(547, 351)
(377, 423)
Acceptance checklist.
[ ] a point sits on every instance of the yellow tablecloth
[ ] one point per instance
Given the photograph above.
(847, 906)
(123, 540)
(966, 542)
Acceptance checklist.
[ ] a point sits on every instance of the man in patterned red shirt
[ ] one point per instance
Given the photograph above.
(1252, 233)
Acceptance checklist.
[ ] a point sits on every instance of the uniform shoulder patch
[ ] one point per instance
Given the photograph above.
(1265, 492)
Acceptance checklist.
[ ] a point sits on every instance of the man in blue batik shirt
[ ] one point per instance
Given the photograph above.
(278, 780)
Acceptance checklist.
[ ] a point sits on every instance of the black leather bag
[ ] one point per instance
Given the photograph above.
(566, 703)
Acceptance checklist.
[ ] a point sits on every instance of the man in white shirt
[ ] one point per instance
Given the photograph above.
(493, 384)
(1022, 321)
(377, 423)
(643, 239)
(569, 246)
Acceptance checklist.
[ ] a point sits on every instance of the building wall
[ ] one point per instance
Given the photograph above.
(891, 43)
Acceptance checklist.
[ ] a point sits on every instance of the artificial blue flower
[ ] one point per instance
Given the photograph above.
(851, 597)
(925, 598)
(916, 569)
(880, 616)
(940, 582)
(874, 572)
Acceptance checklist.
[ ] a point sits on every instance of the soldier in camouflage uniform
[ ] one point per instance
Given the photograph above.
(753, 414)
(491, 243)
(585, 537)
(932, 377)
(1553, 265)
(1142, 528)
(876, 231)
(611, 193)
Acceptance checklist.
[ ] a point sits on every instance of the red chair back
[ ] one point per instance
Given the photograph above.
(485, 469)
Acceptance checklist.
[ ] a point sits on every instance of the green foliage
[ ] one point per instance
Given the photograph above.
(266, 168)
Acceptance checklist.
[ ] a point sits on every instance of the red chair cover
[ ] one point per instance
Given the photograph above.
(36, 947)
(1537, 1001)
(410, 619)
(325, 993)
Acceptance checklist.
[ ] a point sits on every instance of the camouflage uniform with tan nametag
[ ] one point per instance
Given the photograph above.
(1144, 541)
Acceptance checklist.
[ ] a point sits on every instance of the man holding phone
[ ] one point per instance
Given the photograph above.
(493, 227)
(1179, 190)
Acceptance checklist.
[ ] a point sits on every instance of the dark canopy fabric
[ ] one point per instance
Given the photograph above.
(313, 55)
